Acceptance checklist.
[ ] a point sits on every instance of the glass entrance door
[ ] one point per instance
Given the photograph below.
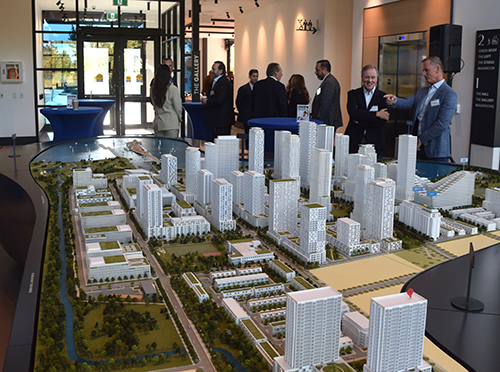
(120, 67)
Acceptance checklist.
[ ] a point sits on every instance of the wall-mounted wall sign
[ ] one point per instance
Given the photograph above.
(485, 119)
(120, 2)
(305, 25)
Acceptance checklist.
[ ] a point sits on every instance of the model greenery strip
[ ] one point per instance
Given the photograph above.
(177, 321)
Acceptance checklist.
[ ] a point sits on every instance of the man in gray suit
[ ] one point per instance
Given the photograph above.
(434, 108)
(326, 103)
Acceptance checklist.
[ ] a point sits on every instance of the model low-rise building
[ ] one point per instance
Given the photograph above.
(424, 219)
(238, 294)
(109, 267)
(249, 270)
(468, 229)
(222, 274)
(356, 326)
(103, 218)
(272, 314)
(182, 208)
(249, 251)
(252, 331)
(301, 284)
(268, 290)
(256, 302)
(282, 269)
(245, 280)
(278, 327)
(100, 206)
(234, 309)
(111, 248)
(122, 233)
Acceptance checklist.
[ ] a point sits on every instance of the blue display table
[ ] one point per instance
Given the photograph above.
(198, 116)
(105, 104)
(69, 123)
(272, 124)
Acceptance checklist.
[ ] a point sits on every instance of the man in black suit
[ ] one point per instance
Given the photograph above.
(326, 103)
(368, 114)
(220, 111)
(269, 94)
(244, 99)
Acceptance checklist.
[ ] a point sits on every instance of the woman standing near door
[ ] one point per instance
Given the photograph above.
(167, 104)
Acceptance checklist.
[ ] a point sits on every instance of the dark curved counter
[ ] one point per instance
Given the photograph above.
(469, 338)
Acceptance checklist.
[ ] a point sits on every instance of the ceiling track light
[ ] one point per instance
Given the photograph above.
(241, 10)
(58, 2)
(227, 15)
(85, 5)
(189, 13)
(257, 3)
(216, 1)
(149, 6)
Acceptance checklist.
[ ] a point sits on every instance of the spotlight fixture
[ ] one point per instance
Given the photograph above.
(58, 3)
(189, 13)
(241, 10)
(257, 3)
(216, 1)
(149, 6)
(61, 7)
(85, 5)
(140, 12)
(213, 23)
(227, 15)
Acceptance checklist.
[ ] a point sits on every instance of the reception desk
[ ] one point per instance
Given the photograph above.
(106, 105)
(69, 123)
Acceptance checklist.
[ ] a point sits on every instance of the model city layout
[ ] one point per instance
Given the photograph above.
(159, 263)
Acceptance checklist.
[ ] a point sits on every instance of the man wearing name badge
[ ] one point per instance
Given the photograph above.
(326, 103)
(220, 111)
(434, 108)
(367, 113)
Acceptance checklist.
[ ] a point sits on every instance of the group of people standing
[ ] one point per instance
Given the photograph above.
(368, 107)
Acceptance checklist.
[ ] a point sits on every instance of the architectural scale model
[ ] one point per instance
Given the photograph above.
(256, 150)
(307, 134)
(279, 138)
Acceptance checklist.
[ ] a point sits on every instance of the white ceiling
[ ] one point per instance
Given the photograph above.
(209, 9)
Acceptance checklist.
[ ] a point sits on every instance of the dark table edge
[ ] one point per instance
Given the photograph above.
(443, 347)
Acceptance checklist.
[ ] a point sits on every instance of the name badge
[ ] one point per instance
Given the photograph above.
(212, 92)
(318, 92)
(435, 103)
(374, 109)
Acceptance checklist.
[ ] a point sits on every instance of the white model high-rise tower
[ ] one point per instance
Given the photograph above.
(321, 177)
(407, 162)
(290, 157)
(192, 168)
(396, 335)
(380, 170)
(82, 177)
(222, 205)
(307, 134)
(256, 150)
(369, 151)
(236, 179)
(168, 172)
(211, 158)
(140, 207)
(228, 148)
(364, 175)
(152, 202)
(380, 210)
(205, 185)
(254, 187)
(313, 231)
(313, 319)
(341, 152)
(283, 205)
(325, 137)
(279, 138)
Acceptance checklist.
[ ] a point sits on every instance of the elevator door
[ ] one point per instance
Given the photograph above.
(400, 71)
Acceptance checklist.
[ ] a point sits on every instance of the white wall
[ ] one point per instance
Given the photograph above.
(215, 52)
(17, 114)
(267, 34)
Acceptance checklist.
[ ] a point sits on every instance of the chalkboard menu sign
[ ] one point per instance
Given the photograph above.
(484, 122)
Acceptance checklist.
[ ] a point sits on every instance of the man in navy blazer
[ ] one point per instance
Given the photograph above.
(220, 110)
(434, 108)
(326, 103)
(269, 95)
(367, 113)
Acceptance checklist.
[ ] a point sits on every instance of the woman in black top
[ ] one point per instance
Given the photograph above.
(296, 94)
